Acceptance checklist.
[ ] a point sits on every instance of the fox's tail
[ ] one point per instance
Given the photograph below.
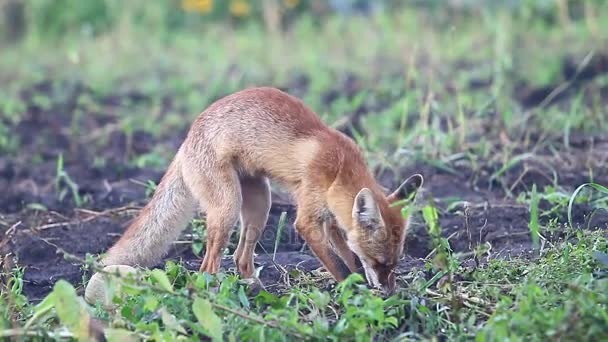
(148, 237)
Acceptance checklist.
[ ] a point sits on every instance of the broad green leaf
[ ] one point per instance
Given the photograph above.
(207, 318)
(119, 335)
(392, 321)
(197, 248)
(47, 303)
(170, 321)
(151, 303)
(431, 218)
(161, 278)
(71, 310)
(41, 309)
(243, 297)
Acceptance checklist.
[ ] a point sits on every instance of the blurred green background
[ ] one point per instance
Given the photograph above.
(448, 65)
(51, 19)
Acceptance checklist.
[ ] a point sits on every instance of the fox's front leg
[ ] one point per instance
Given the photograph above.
(310, 226)
(339, 244)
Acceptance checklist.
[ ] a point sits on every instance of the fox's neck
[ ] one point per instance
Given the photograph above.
(353, 175)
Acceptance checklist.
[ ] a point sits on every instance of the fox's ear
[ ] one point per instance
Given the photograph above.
(365, 209)
(407, 190)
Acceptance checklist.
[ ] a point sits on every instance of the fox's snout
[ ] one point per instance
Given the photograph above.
(381, 277)
(385, 279)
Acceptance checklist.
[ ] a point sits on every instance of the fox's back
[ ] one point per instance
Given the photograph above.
(260, 130)
(264, 109)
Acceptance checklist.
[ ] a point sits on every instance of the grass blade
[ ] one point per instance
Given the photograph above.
(595, 186)
(533, 225)
(282, 219)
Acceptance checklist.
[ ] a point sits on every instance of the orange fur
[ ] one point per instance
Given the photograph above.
(224, 165)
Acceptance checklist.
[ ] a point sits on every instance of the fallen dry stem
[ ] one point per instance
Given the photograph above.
(94, 215)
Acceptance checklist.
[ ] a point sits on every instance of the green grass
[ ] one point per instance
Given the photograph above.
(413, 69)
(562, 295)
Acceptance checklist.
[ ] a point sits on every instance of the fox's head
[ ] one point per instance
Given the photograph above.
(379, 231)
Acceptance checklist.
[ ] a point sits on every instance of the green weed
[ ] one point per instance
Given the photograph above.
(64, 184)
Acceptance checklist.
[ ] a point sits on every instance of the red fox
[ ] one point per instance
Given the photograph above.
(223, 168)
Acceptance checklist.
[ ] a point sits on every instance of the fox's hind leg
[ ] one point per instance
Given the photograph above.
(254, 214)
(219, 192)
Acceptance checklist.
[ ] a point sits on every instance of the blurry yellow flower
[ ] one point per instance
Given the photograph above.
(204, 6)
(291, 3)
(239, 8)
